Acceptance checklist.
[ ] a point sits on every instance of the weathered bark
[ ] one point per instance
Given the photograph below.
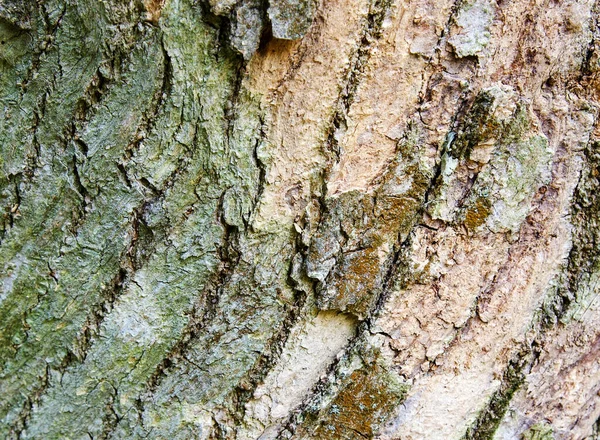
(298, 219)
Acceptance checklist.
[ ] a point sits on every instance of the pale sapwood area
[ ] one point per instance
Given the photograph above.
(299, 219)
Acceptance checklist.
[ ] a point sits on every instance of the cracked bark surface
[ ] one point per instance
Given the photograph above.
(294, 219)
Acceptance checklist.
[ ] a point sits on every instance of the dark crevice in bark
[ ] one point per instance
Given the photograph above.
(204, 310)
(110, 418)
(151, 115)
(396, 272)
(124, 176)
(134, 258)
(44, 46)
(262, 172)
(232, 103)
(267, 359)
(436, 179)
(360, 434)
(15, 208)
(596, 430)
(307, 413)
(11, 210)
(582, 259)
(591, 54)
(395, 268)
(401, 246)
(444, 35)
(274, 347)
(166, 87)
(92, 97)
(131, 261)
(461, 123)
(370, 34)
(24, 415)
(489, 419)
(222, 23)
(70, 357)
(79, 188)
(206, 307)
(32, 160)
(79, 143)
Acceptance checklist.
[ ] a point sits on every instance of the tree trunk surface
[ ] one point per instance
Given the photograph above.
(294, 219)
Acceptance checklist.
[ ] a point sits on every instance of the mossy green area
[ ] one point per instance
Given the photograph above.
(131, 140)
(583, 273)
(492, 166)
(538, 432)
(133, 288)
(139, 295)
(355, 242)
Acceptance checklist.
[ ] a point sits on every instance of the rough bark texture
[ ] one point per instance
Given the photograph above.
(295, 219)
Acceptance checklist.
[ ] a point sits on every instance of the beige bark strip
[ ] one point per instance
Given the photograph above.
(474, 362)
(310, 350)
(304, 105)
(389, 94)
(562, 392)
(421, 319)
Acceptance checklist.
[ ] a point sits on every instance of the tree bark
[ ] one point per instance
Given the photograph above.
(294, 219)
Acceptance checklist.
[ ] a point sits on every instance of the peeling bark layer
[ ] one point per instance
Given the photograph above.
(298, 219)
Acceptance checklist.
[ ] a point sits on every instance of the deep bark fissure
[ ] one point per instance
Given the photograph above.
(490, 417)
(12, 210)
(552, 312)
(19, 426)
(84, 111)
(371, 32)
(586, 67)
(150, 117)
(262, 173)
(267, 360)
(208, 300)
(390, 277)
(21, 423)
(44, 46)
(203, 311)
